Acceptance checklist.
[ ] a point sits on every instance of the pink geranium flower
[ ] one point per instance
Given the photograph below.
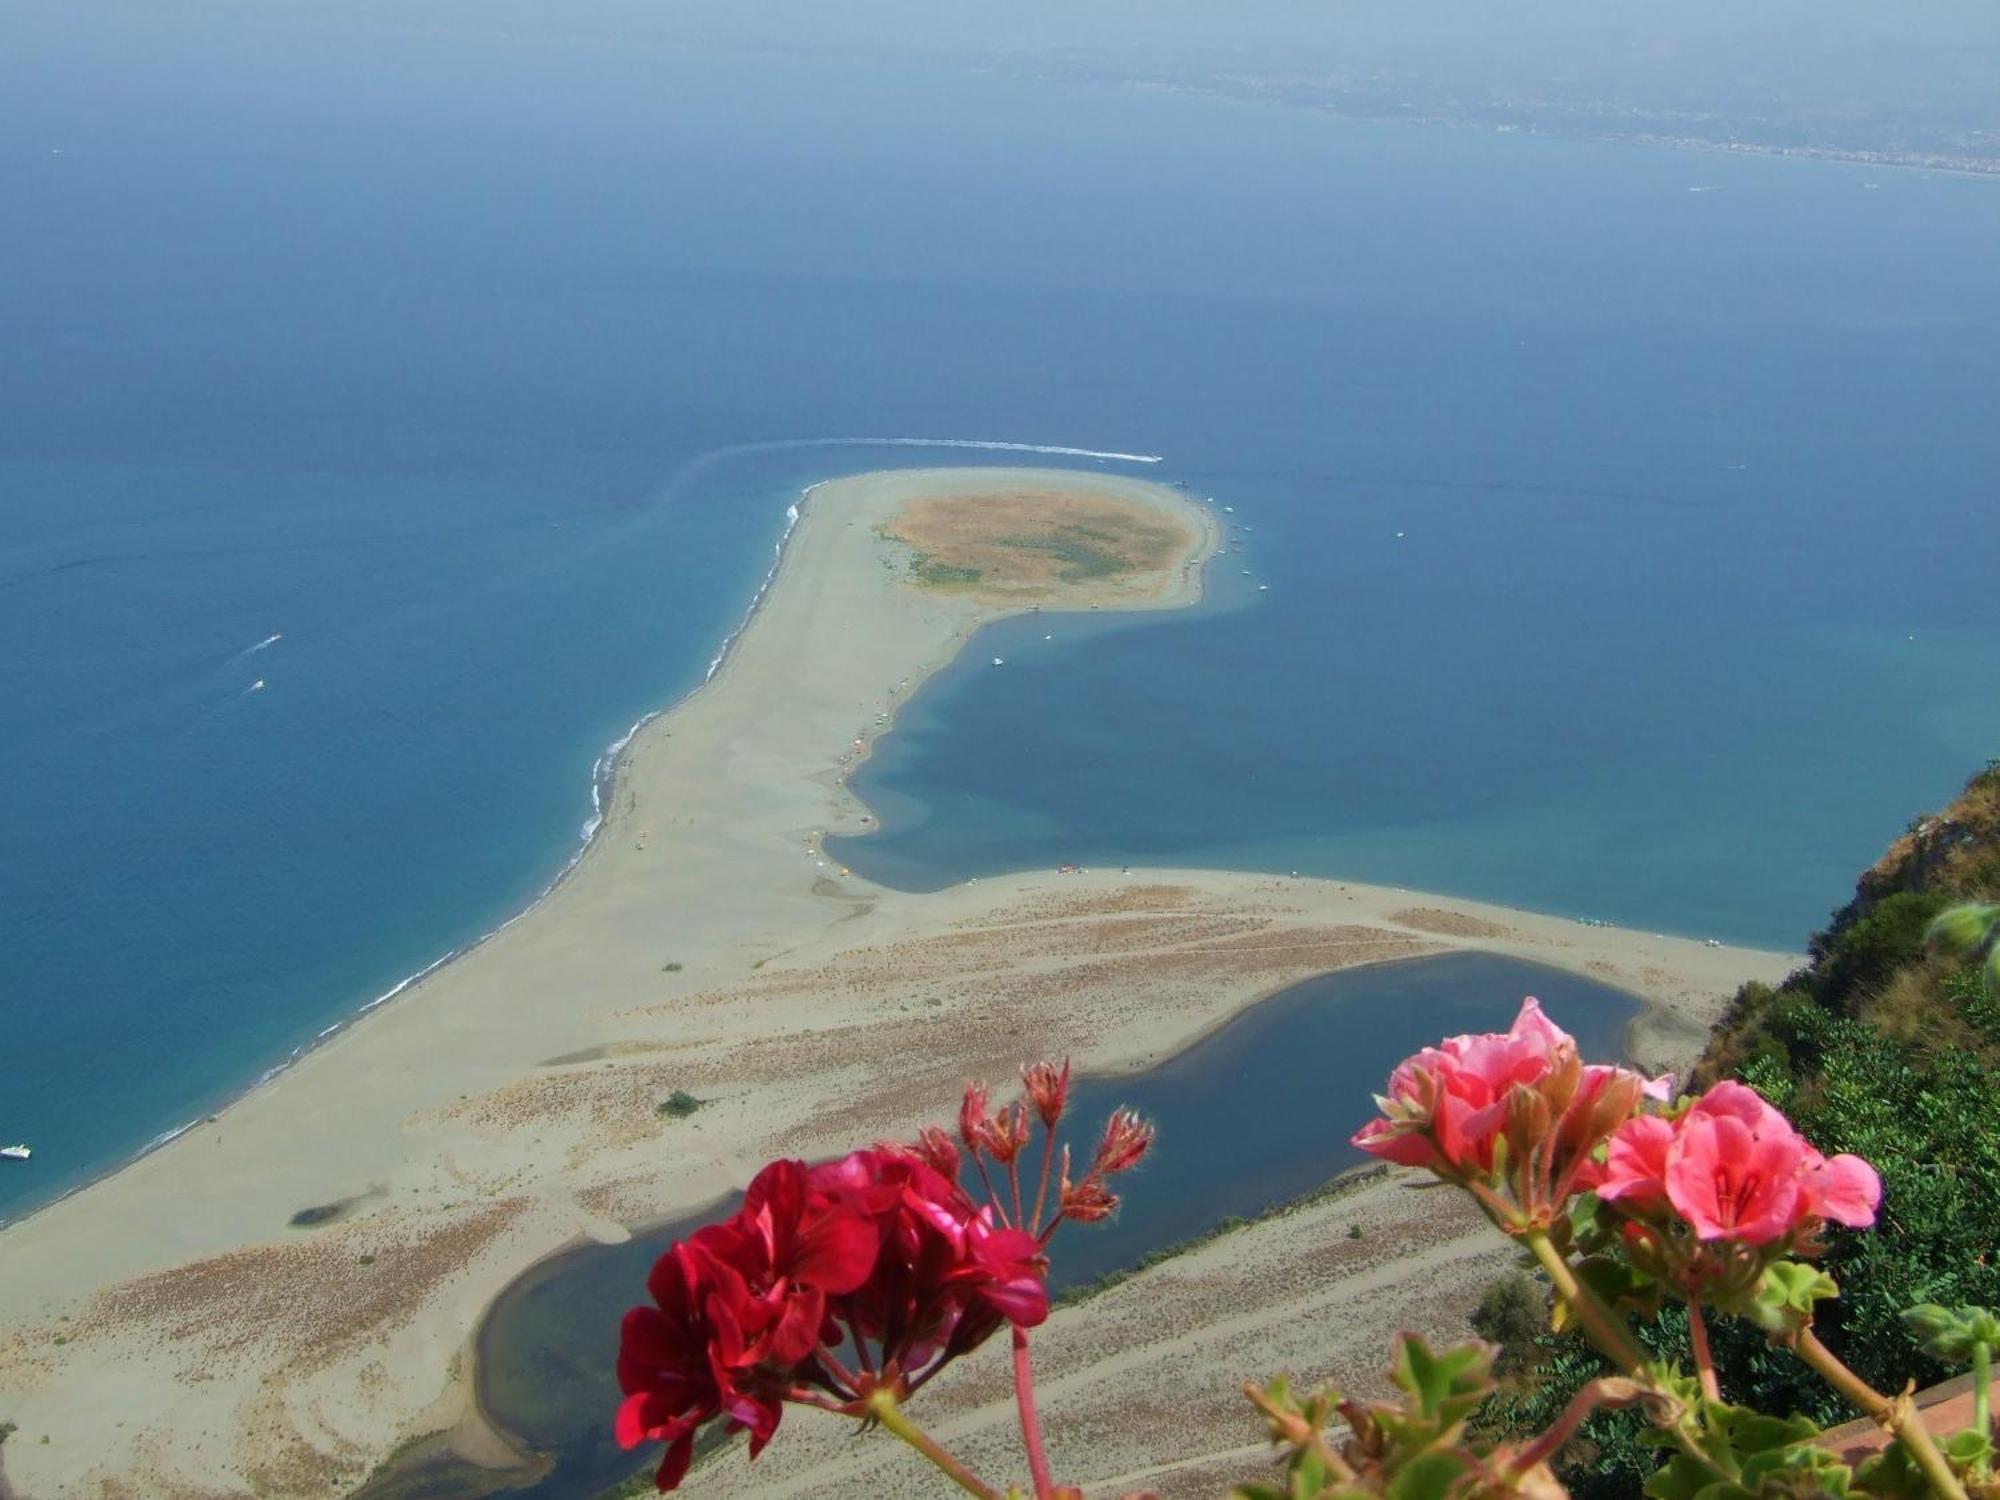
(1516, 1109)
(1732, 1183)
(1733, 1169)
(1447, 1105)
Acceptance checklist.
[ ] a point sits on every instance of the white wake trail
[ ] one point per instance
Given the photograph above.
(997, 446)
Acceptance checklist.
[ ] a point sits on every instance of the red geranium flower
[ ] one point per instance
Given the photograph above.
(738, 1310)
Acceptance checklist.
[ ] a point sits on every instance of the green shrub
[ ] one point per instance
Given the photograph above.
(1863, 955)
(1513, 1313)
(679, 1105)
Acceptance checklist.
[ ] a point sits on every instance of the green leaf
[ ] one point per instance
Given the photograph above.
(1798, 1468)
(1893, 1475)
(1620, 1283)
(1752, 1433)
(1309, 1473)
(1968, 1448)
(1684, 1479)
(1430, 1476)
(1447, 1385)
(1783, 1298)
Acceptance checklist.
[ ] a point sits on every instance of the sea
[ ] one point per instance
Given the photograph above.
(391, 416)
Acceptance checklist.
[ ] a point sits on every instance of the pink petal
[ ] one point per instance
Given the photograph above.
(1391, 1142)
(1845, 1189)
(1532, 1025)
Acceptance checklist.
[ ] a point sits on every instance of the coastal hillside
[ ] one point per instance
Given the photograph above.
(1885, 1045)
(1871, 963)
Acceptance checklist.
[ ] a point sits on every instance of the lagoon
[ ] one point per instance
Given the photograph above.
(1253, 1115)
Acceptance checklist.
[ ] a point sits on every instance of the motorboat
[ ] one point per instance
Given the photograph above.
(16, 1153)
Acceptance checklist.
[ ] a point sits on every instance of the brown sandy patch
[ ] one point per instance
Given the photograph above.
(1448, 923)
(1036, 543)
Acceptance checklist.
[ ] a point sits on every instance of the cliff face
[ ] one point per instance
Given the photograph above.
(1872, 961)
(1955, 853)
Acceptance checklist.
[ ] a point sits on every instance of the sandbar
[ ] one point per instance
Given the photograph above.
(171, 1332)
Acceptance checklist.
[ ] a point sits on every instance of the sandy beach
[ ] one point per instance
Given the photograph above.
(169, 1331)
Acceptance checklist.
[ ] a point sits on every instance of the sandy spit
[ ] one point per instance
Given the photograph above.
(170, 1334)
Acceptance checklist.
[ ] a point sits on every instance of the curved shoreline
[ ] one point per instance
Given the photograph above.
(514, 1111)
(604, 775)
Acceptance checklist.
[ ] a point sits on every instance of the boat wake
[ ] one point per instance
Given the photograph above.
(992, 445)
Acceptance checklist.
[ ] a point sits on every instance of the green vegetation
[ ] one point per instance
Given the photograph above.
(1884, 1047)
(1072, 546)
(367, 1258)
(7, 1430)
(937, 574)
(679, 1105)
(671, 966)
(1513, 1314)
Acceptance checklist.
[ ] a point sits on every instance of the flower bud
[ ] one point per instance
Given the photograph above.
(937, 1151)
(973, 1126)
(1007, 1133)
(1127, 1139)
(1048, 1090)
(1086, 1201)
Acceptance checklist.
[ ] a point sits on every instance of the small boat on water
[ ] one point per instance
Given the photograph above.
(999, 661)
(16, 1153)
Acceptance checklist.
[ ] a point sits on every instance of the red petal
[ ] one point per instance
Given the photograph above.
(839, 1252)
(631, 1426)
(674, 1467)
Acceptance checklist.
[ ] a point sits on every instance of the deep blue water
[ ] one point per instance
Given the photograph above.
(401, 341)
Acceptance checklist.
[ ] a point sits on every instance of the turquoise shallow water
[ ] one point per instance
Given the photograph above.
(1691, 610)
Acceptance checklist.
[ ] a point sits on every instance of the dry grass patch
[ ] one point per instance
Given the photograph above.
(1031, 544)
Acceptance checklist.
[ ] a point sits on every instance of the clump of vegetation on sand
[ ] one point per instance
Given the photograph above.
(679, 1105)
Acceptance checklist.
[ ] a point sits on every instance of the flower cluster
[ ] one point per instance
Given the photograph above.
(1716, 1201)
(1515, 1116)
(854, 1282)
(1733, 1168)
(1712, 1194)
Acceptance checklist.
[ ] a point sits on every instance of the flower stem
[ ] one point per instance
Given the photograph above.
(1031, 1422)
(1605, 1328)
(1982, 1384)
(1704, 1362)
(1042, 1187)
(883, 1408)
(1898, 1416)
(1581, 1405)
